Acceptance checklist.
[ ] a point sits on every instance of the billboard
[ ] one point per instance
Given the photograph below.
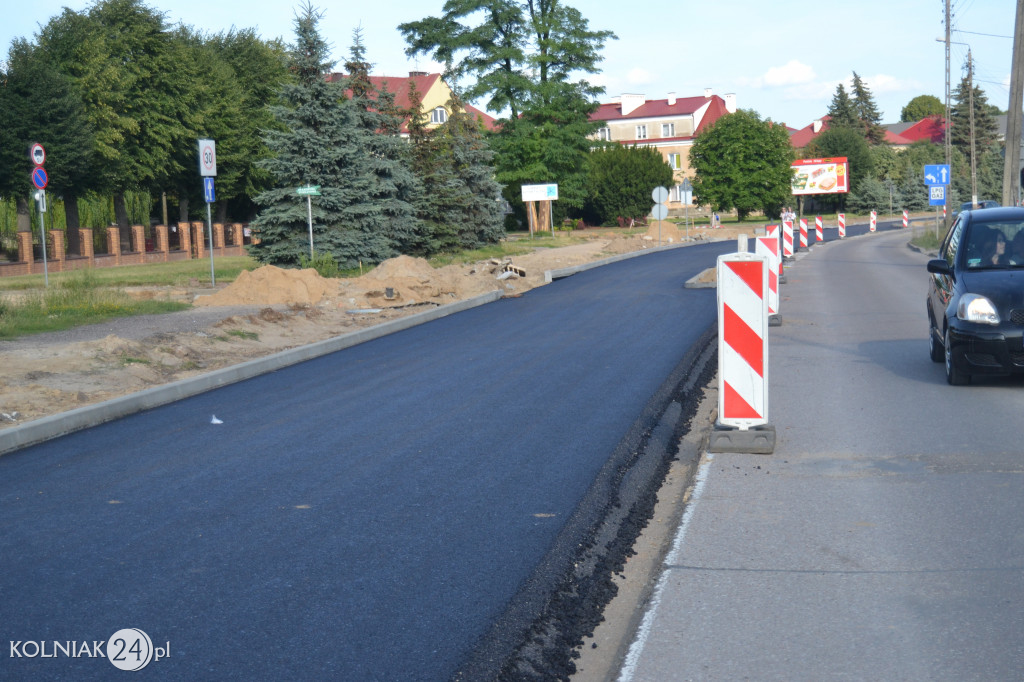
(820, 176)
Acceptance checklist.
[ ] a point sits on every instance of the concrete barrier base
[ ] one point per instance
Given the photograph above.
(759, 440)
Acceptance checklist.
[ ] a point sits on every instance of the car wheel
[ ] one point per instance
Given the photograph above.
(954, 376)
(935, 349)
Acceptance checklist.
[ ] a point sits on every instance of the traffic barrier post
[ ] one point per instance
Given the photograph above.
(818, 231)
(742, 424)
(874, 221)
(803, 233)
(842, 225)
(787, 239)
(769, 248)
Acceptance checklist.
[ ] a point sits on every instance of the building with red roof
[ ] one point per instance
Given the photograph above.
(434, 95)
(668, 125)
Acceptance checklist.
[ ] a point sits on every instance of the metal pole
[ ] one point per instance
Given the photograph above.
(309, 210)
(209, 225)
(40, 197)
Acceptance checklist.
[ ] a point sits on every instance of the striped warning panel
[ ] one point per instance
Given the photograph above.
(818, 231)
(743, 339)
(842, 225)
(803, 233)
(787, 238)
(769, 247)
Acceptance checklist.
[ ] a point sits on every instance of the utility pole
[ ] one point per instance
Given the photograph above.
(949, 148)
(970, 99)
(1014, 116)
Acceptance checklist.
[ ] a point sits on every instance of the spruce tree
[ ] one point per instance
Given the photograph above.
(387, 212)
(842, 111)
(867, 111)
(325, 140)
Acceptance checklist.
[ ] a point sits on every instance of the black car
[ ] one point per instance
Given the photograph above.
(976, 295)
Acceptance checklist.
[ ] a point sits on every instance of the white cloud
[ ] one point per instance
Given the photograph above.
(792, 73)
(639, 76)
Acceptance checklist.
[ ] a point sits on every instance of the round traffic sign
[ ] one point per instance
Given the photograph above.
(659, 211)
(39, 177)
(660, 194)
(37, 154)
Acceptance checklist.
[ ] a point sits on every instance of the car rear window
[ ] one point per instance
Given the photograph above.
(995, 244)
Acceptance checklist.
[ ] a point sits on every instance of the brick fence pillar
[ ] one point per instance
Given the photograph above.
(114, 243)
(199, 235)
(138, 238)
(218, 235)
(163, 244)
(237, 236)
(25, 254)
(57, 242)
(85, 244)
(185, 238)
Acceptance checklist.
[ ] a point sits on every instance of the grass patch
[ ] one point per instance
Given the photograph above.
(128, 360)
(926, 240)
(178, 273)
(243, 334)
(74, 300)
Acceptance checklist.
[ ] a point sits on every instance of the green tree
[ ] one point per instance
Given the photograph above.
(867, 111)
(323, 139)
(870, 195)
(985, 127)
(848, 142)
(621, 181)
(39, 104)
(387, 209)
(842, 111)
(260, 68)
(742, 163)
(123, 62)
(922, 106)
(525, 58)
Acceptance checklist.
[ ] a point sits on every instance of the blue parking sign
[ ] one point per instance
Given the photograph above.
(208, 191)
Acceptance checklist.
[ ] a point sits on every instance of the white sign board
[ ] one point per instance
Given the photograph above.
(207, 158)
(540, 192)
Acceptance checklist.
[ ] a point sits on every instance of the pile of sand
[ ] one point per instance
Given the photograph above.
(269, 285)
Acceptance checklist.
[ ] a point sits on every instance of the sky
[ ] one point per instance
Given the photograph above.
(781, 59)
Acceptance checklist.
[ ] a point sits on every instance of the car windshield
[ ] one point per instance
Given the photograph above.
(996, 245)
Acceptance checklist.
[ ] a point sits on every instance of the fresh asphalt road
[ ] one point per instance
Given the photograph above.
(363, 516)
(883, 539)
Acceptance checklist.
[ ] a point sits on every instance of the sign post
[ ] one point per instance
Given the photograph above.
(309, 191)
(39, 179)
(208, 171)
(660, 210)
(544, 194)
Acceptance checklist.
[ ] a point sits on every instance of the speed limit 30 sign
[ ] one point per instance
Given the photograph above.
(207, 158)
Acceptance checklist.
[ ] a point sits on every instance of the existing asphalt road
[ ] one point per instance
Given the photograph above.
(364, 516)
(882, 540)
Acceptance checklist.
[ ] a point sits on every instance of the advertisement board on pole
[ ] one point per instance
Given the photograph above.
(820, 176)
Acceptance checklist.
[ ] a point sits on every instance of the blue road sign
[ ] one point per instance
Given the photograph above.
(937, 195)
(208, 190)
(39, 177)
(937, 174)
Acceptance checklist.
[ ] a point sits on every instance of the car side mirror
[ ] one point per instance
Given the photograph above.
(939, 266)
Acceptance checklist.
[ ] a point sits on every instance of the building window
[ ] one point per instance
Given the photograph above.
(604, 134)
(668, 129)
(675, 161)
(641, 132)
(438, 115)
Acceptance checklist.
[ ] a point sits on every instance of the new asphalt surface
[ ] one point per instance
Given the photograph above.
(370, 514)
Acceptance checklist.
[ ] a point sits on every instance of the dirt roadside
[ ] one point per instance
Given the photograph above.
(263, 312)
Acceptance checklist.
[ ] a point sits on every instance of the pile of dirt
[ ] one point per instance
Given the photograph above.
(269, 285)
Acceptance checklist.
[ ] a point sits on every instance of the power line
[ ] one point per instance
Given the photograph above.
(975, 33)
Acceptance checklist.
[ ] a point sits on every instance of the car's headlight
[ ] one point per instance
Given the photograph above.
(975, 308)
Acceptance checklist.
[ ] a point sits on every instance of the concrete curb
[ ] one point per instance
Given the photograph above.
(50, 427)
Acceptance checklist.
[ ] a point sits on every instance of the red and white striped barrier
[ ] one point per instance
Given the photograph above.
(874, 221)
(818, 232)
(803, 233)
(842, 225)
(906, 219)
(742, 340)
(787, 239)
(775, 232)
(769, 248)
(943, 211)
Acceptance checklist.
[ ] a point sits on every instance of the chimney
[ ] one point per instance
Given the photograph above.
(707, 93)
(671, 99)
(416, 74)
(816, 126)
(730, 102)
(631, 103)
